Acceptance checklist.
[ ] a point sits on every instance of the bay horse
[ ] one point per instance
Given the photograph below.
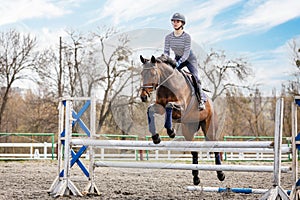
(176, 99)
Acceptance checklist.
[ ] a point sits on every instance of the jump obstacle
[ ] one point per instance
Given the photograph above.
(63, 185)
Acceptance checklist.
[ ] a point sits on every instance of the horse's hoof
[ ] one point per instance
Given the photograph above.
(156, 139)
(196, 180)
(221, 176)
(171, 132)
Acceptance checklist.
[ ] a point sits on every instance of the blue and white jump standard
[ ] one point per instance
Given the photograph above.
(67, 157)
(63, 184)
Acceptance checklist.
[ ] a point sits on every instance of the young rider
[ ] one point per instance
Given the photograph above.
(180, 42)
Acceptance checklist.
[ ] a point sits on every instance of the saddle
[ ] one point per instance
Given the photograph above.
(191, 80)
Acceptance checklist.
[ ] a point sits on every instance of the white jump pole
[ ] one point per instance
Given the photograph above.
(177, 166)
(210, 146)
(185, 145)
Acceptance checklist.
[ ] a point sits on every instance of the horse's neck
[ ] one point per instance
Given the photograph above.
(174, 80)
(165, 73)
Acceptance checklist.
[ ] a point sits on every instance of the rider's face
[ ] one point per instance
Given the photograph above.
(176, 23)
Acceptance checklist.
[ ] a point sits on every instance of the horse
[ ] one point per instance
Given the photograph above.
(176, 99)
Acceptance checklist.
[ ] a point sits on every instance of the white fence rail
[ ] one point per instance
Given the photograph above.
(32, 153)
(44, 151)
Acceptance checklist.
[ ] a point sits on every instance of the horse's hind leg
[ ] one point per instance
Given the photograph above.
(188, 131)
(220, 174)
(195, 173)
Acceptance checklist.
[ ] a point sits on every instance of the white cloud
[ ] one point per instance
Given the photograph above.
(203, 27)
(128, 10)
(270, 13)
(271, 68)
(18, 10)
(208, 10)
(49, 37)
(257, 16)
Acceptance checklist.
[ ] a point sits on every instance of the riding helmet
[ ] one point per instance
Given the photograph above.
(178, 16)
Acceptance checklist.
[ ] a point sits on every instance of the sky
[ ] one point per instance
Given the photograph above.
(258, 30)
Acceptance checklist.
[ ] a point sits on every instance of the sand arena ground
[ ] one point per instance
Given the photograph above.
(32, 179)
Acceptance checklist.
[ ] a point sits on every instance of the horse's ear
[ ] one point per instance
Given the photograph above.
(143, 60)
(153, 59)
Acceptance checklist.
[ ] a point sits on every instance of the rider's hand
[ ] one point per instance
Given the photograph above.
(178, 64)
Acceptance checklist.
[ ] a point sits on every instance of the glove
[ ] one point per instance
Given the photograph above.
(178, 63)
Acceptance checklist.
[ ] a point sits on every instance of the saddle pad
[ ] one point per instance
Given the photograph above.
(188, 76)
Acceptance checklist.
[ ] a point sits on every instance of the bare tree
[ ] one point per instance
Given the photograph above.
(248, 115)
(72, 69)
(260, 115)
(223, 73)
(293, 86)
(38, 113)
(16, 61)
(97, 62)
(12, 119)
(80, 63)
(50, 73)
(74, 53)
(295, 48)
(234, 123)
(115, 66)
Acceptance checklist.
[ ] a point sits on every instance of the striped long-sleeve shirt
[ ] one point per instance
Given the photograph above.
(181, 45)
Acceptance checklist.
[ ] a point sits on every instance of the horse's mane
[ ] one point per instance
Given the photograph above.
(167, 60)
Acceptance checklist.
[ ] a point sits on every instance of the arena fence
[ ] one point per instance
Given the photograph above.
(13, 146)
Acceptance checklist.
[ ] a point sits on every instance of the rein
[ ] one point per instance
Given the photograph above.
(167, 78)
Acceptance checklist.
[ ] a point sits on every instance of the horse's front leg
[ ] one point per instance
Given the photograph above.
(152, 110)
(168, 120)
(220, 174)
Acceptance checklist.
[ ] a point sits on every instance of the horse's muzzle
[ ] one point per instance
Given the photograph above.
(146, 92)
(144, 98)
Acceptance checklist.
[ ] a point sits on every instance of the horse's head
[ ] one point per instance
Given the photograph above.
(149, 76)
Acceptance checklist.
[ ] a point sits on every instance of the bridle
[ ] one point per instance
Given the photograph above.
(154, 86)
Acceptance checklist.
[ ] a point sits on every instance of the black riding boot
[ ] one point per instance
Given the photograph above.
(201, 105)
